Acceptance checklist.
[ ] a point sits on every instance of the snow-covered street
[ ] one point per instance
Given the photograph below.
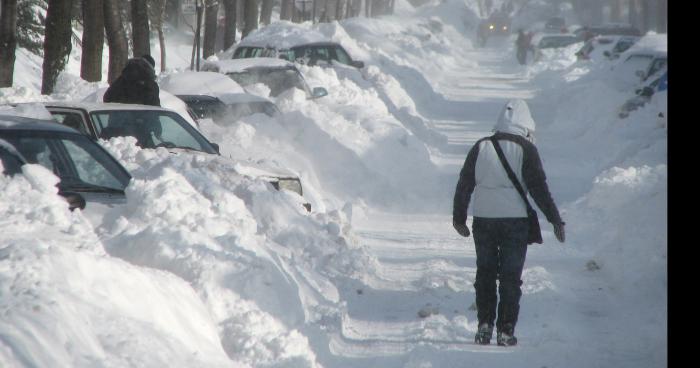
(206, 264)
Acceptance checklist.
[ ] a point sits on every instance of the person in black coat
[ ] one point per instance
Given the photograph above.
(500, 225)
(136, 85)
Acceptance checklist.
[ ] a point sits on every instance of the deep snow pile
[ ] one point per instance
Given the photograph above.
(262, 265)
(65, 302)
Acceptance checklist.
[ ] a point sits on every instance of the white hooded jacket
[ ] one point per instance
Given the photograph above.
(484, 175)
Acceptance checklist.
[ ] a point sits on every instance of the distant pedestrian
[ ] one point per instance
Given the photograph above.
(522, 44)
(503, 217)
(136, 85)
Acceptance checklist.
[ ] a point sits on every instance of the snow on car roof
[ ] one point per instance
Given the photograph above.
(199, 83)
(13, 122)
(282, 35)
(652, 43)
(237, 65)
(100, 106)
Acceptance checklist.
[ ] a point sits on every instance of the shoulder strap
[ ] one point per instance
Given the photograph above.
(511, 174)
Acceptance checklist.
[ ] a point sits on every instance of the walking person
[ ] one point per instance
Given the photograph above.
(502, 217)
(136, 84)
(521, 47)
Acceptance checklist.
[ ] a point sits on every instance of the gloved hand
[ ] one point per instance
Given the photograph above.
(461, 228)
(559, 231)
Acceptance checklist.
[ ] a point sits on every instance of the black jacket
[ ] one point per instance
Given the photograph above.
(136, 85)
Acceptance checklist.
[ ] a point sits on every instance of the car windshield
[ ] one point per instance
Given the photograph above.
(151, 128)
(277, 79)
(204, 106)
(623, 45)
(80, 163)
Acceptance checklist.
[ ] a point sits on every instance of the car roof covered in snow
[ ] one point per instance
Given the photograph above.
(282, 35)
(238, 65)
(203, 82)
(14, 122)
(98, 106)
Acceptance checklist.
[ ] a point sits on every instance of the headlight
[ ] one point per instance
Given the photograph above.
(505, 28)
(490, 26)
(292, 184)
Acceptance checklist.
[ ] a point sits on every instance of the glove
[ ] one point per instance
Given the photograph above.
(559, 231)
(461, 228)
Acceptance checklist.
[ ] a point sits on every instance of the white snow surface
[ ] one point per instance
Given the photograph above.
(205, 266)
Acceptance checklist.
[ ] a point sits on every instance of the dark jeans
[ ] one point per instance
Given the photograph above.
(501, 246)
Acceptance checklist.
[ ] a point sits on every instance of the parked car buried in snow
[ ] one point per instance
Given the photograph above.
(216, 96)
(277, 74)
(291, 42)
(609, 46)
(88, 173)
(155, 127)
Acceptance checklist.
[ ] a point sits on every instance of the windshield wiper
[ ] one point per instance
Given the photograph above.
(87, 187)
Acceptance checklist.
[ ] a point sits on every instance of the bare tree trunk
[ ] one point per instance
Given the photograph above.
(662, 16)
(647, 10)
(632, 12)
(8, 41)
(156, 14)
(93, 40)
(230, 23)
(286, 10)
(339, 6)
(616, 10)
(57, 42)
(250, 13)
(368, 5)
(266, 11)
(211, 11)
(140, 30)
(116, 39)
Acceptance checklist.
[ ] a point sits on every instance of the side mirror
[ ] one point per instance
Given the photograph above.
(75, 200)
(607, 54)
(358, 64)
(319, 92)
(216, 147)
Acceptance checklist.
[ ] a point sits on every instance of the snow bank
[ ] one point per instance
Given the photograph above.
(67, 303)
(260, 263)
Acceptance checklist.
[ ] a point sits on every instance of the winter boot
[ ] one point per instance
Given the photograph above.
(505, 337)
(483, 336)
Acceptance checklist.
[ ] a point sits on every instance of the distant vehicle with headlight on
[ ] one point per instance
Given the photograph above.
(498, 24)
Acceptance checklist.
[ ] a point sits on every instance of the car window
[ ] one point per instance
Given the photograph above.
(75, 159)
(71, 119)
(150, 128)
(11, 164)
(341, 55)
(203, 106)
(88, 169)
(656, 65)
